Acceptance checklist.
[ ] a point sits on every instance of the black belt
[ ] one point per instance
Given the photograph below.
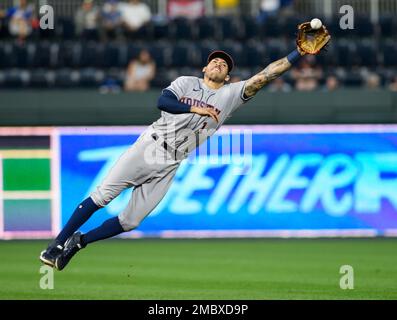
(176, 154)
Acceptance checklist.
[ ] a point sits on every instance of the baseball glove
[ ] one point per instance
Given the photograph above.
(312, 41)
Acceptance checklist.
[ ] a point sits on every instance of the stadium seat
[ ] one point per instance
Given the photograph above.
(46, 34)
(41, 78)
(45, 54)
(65, 28)
(353, 79)
(3, 61)
(111, 55)
(161, 30)
(389, 50)
(181, 55)
(229, 28)
(387, 26)
(159, 53)
(367, 54)
(132, 52)
(164, 77)
(254, 55)
(4, 28)
(2, 76)
(363, 26)
(5, 54)
(91, 77)
(388, 73)
(275, 49)
(347, 55)
(16, 78)
(20, 55)
(250, 27)
(68, 54)
(207, 28)
(290, 26)
(90, 54)
(146, 32)
(66, 78)
(181, 29)
(271, 28)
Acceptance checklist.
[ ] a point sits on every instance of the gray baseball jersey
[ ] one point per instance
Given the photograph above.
(187, 130)
(183, 132)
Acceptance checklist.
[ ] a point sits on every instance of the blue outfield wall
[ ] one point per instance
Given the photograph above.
(283, 181)
(298, 181)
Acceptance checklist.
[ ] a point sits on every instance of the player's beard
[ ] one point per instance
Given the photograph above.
(216, 77)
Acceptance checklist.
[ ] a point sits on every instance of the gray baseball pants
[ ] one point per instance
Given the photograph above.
(149, 169)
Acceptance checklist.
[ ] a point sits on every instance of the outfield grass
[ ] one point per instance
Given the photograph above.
(206, 269)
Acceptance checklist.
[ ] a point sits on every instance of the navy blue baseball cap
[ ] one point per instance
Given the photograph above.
(225, 56)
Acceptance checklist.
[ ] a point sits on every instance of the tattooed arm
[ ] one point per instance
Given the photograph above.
(271, 72)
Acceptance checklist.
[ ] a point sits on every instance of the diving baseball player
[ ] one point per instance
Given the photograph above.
(192, 110)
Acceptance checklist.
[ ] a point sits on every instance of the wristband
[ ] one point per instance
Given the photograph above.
(294, 56)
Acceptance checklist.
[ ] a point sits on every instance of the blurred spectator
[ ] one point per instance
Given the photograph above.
(287, 7)
(140, 72)
(134, 14)
(279, 85)
(87, 20)
(307, 75)
(393, 84)
(268, 8)
(21, 19)
(111, 19)
(271, 8)
(227, 7)
(372, 81)
(331, 83)
(185, 8)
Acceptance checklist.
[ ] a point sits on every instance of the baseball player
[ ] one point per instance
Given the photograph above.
(190, 106)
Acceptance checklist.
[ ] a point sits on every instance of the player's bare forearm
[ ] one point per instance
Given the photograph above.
(271, 72)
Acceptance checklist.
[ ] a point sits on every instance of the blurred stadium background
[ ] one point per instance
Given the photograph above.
(86, 51)
(323, 139)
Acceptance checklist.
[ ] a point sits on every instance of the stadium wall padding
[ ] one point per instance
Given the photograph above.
(84, 107)
(258, 181)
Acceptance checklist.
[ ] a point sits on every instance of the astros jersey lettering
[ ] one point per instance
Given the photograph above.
(181, 130)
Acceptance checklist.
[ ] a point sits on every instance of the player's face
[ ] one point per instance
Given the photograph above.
(217, 70)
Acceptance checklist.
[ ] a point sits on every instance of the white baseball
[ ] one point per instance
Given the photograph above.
(316, 23)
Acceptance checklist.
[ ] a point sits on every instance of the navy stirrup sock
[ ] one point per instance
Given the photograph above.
(108, 229)
(80, 215)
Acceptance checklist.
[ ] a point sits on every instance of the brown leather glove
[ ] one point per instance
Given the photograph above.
(312, 41)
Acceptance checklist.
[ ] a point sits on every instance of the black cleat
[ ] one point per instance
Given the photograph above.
(72, 246)
(50, 255)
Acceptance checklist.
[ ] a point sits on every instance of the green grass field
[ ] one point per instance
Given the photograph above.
(206, 269)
